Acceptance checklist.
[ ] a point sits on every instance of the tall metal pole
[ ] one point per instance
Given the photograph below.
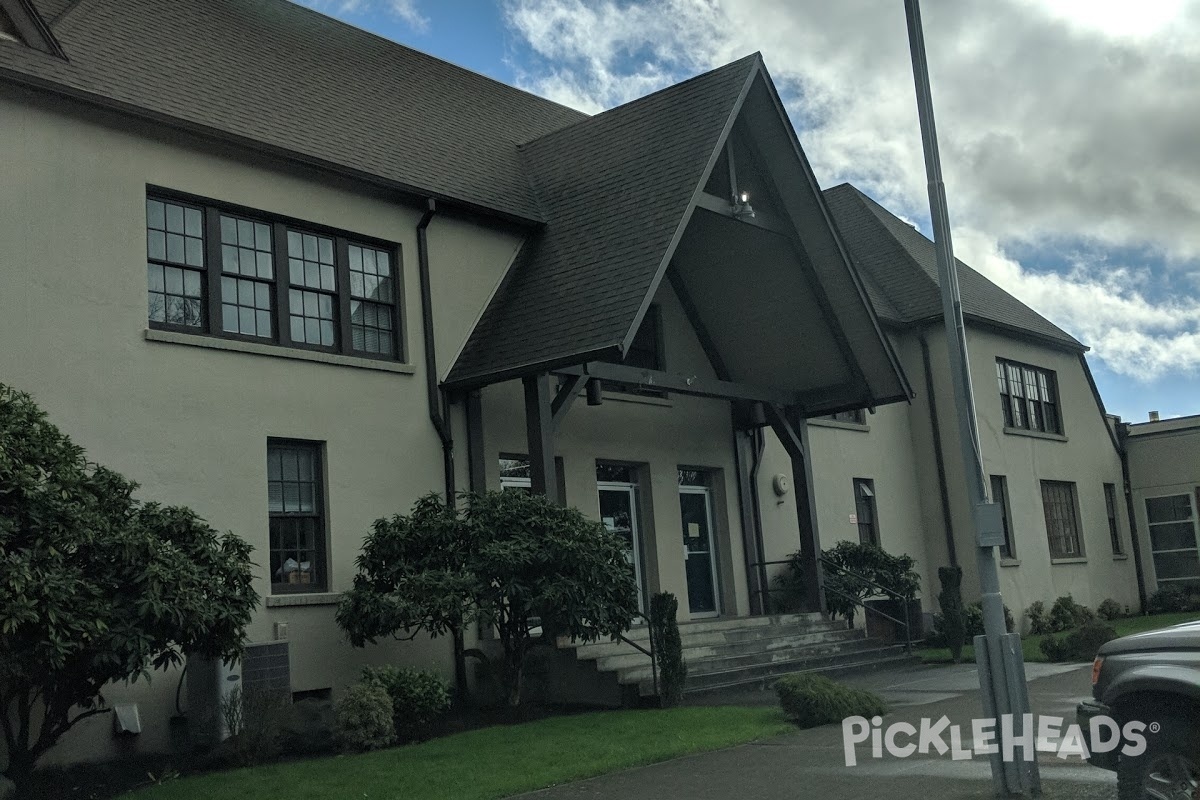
(998, 654)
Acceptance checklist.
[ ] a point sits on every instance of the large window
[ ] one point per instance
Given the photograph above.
(1028, 397)
(856, 416)
(245, 274)
(1110, 507)
(296, 506)
(1172, 524)
(864, 511)
(1059, 502)
(1000, 497)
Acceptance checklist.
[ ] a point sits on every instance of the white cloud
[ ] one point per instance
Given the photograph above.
(1059, 120)
(405, 10)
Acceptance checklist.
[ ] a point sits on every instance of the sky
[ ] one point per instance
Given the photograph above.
(1069, 132)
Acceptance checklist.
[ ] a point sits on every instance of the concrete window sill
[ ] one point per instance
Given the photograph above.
(1068, 560)
(1054, 437)
(1120, 557)
(1010, 562)
(275, 351)
(314, 599)
(846, 426)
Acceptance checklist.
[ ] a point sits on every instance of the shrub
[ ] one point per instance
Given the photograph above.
(867, 560)
(306, 728)
(418, 697)
(1066, 614)
(96, 587)
(973, 620)
(668, 648)
(953, 619)
(1168, 599)
(253, 719)
(362, 719)
(1080, 644)
(1110, 609)
(810, 699)
(1039, 621)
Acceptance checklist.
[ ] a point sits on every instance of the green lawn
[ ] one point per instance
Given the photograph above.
(1031, 645)
(491, 762)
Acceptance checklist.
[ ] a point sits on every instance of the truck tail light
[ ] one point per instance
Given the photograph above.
(1096, 665)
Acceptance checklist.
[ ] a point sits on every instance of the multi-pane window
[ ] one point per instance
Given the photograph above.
(1059, 502)
(372, 300)
(247, 282)
(515, 473)
(1028, 397)
(1110, 507)
(174, 263)
(1173, 541)
(313, 292)
(297, 517)
(244, 274)
(865, 513)
(1000, 497)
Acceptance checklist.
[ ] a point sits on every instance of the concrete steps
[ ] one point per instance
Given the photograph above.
(742, 651)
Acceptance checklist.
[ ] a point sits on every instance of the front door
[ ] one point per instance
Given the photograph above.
(618, 512)
(695, 506)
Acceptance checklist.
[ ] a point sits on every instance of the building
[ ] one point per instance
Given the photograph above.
(1164, 469)
(294, 276)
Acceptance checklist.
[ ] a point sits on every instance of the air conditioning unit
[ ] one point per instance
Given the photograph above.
(265, 667)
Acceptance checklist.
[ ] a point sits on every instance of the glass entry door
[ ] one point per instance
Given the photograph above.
(618, 512)
(695, 506)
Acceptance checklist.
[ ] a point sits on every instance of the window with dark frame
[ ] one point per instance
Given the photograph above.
(175, 264)
(1028, 397)
(1174, 527)
(857, 416)
(296, 508)
(1000, 496)
(865, 512)
(278, 280)
(1059, 503)
(1110, 507)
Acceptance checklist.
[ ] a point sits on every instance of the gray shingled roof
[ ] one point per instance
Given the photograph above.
(277, 75)
(899, 265)
(615, 189)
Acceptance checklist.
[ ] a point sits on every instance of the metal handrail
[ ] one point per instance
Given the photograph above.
(904, 600)
(651, 652)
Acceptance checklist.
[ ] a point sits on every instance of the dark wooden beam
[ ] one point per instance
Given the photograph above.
(565, 398)
(679, 384)
(707, 343)
(793, 433)
(539, 430)
(476, 455)
(761, 219)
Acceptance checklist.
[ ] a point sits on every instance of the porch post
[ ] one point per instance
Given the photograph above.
(539, 430)
(476, 457)
(793, 432)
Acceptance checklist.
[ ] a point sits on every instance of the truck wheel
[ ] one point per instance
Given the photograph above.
(1168, 770)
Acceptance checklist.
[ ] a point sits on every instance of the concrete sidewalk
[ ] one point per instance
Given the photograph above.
(811, 763)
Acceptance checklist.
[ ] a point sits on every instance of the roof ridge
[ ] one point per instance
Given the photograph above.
(756, 55)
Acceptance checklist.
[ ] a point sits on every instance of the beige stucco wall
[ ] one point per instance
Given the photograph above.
(190, 423)
(1085, 456)
(659, 436)
(1166, 462)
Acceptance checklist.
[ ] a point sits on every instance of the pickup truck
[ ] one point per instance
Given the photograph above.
(1153, 678)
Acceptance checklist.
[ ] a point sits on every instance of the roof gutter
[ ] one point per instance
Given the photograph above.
(437, 400)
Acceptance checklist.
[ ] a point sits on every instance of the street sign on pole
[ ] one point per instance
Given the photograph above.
(998, 653)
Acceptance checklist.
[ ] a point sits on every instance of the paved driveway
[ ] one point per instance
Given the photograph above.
(811, 763)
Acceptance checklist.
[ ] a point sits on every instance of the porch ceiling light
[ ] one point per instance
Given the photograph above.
(742, 208)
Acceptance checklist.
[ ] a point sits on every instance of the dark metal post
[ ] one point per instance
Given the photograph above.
(539, 430)
(1002, 692)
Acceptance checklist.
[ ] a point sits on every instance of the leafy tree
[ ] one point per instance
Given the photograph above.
(508, 559)
(96, 587)
(848, 592)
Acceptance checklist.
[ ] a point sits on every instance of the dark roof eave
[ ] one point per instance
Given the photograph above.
(1071, 346)
(27, 81)
(478, 380)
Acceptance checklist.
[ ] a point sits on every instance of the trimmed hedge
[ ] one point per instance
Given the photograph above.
(418, 697)
(363, 718)
(672, 669)
(809, 700)
(1080, 644)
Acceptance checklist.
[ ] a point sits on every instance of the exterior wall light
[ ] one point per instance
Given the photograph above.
(742, 208)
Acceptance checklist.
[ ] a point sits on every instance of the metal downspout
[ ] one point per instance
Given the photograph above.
(437, 412)
(760, 555)
(1134, 542)
(939, 459)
